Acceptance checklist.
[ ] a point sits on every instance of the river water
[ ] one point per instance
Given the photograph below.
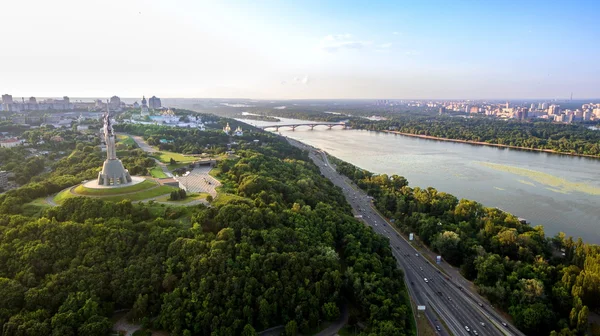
(562, 193)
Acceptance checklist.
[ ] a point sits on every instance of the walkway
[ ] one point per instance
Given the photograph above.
(164, 168)
(198, 180)
(141, 143)
(337, 325)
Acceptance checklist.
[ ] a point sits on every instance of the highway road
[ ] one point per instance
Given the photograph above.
(463, 312)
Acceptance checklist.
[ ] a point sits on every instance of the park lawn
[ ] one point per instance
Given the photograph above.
(147, 184)
(176, 166)
(138, 196)
(35, 207)
(63, 195)
(126, 140)
(224, 199)
(157, 172)
(190, 198)
(165, 157)
(142, 195)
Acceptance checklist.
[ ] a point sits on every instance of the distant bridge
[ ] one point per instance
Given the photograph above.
(311, 125)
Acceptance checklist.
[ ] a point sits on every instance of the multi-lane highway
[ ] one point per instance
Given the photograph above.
(462, 312)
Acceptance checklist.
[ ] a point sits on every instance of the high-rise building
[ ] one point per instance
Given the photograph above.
(587, 115)
(115, 102)
(553, 109)
(532, 107)
(154, 102)
(32, 100)
(7, 99)
(544, 106)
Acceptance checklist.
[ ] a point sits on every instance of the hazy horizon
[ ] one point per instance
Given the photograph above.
(271, 50)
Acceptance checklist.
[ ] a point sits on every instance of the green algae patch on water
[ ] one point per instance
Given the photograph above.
(553, 183)
(527, 182)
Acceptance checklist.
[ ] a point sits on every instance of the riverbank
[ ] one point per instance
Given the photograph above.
(481, 143)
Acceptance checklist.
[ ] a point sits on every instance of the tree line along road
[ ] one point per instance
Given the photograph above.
(463, 312)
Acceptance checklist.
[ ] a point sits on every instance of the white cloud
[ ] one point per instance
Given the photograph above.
(396, 33)
(297, 81)
(385, 45)
(412, 53)
(333, 43)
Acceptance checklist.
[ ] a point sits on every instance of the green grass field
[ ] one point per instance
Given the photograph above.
(190, 198)
(147, 184)
(142, 195)
(126, 140)
(166, 157)
(224, 198)
(157, 172)
(35, 207)
(63, 195)
(137, 196)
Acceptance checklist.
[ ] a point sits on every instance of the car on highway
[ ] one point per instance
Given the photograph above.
(425, 279)
(504, 324)
(416, 254)
(475, 332)
(467, 328)
(437, 327)
(482, 324)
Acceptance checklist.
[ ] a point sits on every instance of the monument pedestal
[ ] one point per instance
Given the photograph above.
(113, 173)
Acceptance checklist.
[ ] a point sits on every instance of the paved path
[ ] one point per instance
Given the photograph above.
(141, 143)
(337, 325)
(198, 180)
(164, 168)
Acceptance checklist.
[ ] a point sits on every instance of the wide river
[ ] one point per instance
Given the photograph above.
(562, 193)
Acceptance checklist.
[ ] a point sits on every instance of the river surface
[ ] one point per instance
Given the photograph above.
(560, 192)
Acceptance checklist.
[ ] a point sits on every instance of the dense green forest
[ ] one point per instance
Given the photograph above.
(514, 265)
(195, 141)
(564, 138)
(278, 246)
(257, 117)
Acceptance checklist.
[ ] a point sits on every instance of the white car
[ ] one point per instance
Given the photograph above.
(467, 328)
(425, 279)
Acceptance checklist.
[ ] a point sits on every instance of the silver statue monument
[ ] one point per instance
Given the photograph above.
(113, 173)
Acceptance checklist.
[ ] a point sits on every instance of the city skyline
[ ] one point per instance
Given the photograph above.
(271, 50)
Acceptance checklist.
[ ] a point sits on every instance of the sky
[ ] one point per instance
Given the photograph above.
(307, 49)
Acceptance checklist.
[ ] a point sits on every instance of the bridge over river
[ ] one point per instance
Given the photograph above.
(311, 125)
